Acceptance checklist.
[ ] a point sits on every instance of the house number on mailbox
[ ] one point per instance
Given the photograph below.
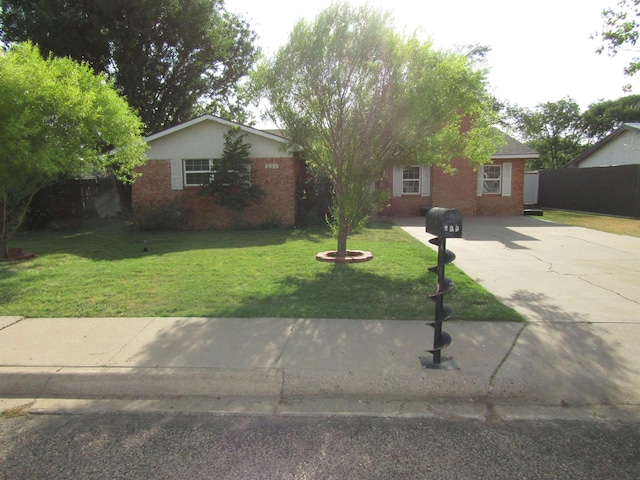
(271, 166)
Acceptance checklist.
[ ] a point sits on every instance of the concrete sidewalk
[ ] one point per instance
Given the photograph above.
(283, 364)
(580, 349)
(151, 357)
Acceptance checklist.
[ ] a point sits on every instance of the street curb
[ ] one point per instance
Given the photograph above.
(119, 382)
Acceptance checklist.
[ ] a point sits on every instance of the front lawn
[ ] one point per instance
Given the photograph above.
(605, 223)
(103, 270)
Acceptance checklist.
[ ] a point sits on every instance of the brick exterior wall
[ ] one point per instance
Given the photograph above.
(276, 176)
(459, 191)
(498, 205)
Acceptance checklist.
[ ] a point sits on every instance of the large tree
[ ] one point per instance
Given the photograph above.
(355, 98)
(554, 129)
(170, 58)
(57, 119)
(603, 117)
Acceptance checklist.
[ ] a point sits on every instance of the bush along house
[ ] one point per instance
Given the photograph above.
(167, 194)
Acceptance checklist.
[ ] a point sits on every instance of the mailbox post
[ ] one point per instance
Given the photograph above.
(443, 223)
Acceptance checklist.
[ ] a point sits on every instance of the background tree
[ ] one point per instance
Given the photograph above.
(601, 118)
(620, 30)
(355, 99)
(170, 58)
(57, 119)
(554, 129)
(233, 183)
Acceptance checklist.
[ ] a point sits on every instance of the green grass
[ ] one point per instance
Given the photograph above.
(103, 271)
(617, 225)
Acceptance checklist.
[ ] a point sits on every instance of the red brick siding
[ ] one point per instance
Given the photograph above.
(455, 190)
(506, 206)
(459, 191)
(276, 176)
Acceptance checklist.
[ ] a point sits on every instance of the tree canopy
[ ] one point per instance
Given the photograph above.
(621, 30)
(171, 59)
(356, 98)
(554, 129)
(560, 132)
(601, 118)
(57, 119)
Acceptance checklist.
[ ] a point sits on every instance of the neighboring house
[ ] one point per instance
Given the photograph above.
(492, 189)
(180, 159)
(179, 162)
(604, 179)
(620, 147)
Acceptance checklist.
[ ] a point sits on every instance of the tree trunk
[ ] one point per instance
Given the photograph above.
(343, 234)
(4, 250)
(4, 233)
(11, 222)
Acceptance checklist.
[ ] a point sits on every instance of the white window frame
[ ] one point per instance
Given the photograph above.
(489, 178)
(411, 185)
(424, 182)
(503, 179)
(187, 172)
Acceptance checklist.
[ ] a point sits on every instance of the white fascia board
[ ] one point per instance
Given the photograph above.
(222, 121)
(515, 157)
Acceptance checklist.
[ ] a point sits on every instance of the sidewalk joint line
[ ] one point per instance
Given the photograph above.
(130, 340)
(284, 347)
(277, 360)
(13, 323)
(504, 359)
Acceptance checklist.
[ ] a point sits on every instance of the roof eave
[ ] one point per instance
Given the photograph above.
(209, 117)
(515, 156)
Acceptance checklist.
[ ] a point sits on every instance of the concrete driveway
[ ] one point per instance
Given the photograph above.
(547, 271)
(579, 288)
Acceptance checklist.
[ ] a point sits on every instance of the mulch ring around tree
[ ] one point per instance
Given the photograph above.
(353, 256)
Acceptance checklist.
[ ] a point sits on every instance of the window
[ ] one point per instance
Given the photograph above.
(197, 171)
(411, 180)
(491, 178)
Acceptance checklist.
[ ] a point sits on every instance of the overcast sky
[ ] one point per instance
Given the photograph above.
(541, 51)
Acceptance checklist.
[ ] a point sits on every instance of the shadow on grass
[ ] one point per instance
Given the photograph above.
(115, 240)
(344, 291)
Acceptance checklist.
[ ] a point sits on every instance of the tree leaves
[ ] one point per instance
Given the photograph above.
(170, 58)
(57, 119)
(356, 98)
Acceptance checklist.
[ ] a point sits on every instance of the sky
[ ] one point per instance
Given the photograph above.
(541, 51)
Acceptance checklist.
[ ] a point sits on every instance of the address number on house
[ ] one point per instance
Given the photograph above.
(271, 166)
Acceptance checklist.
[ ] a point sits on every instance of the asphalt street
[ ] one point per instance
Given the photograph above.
(149, 446)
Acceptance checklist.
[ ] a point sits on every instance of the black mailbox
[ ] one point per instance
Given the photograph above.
(444, 222)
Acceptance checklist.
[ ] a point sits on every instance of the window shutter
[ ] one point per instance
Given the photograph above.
(176, 174)
(506, 180)
(426, 181)
(480, 180)
(397, 181)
